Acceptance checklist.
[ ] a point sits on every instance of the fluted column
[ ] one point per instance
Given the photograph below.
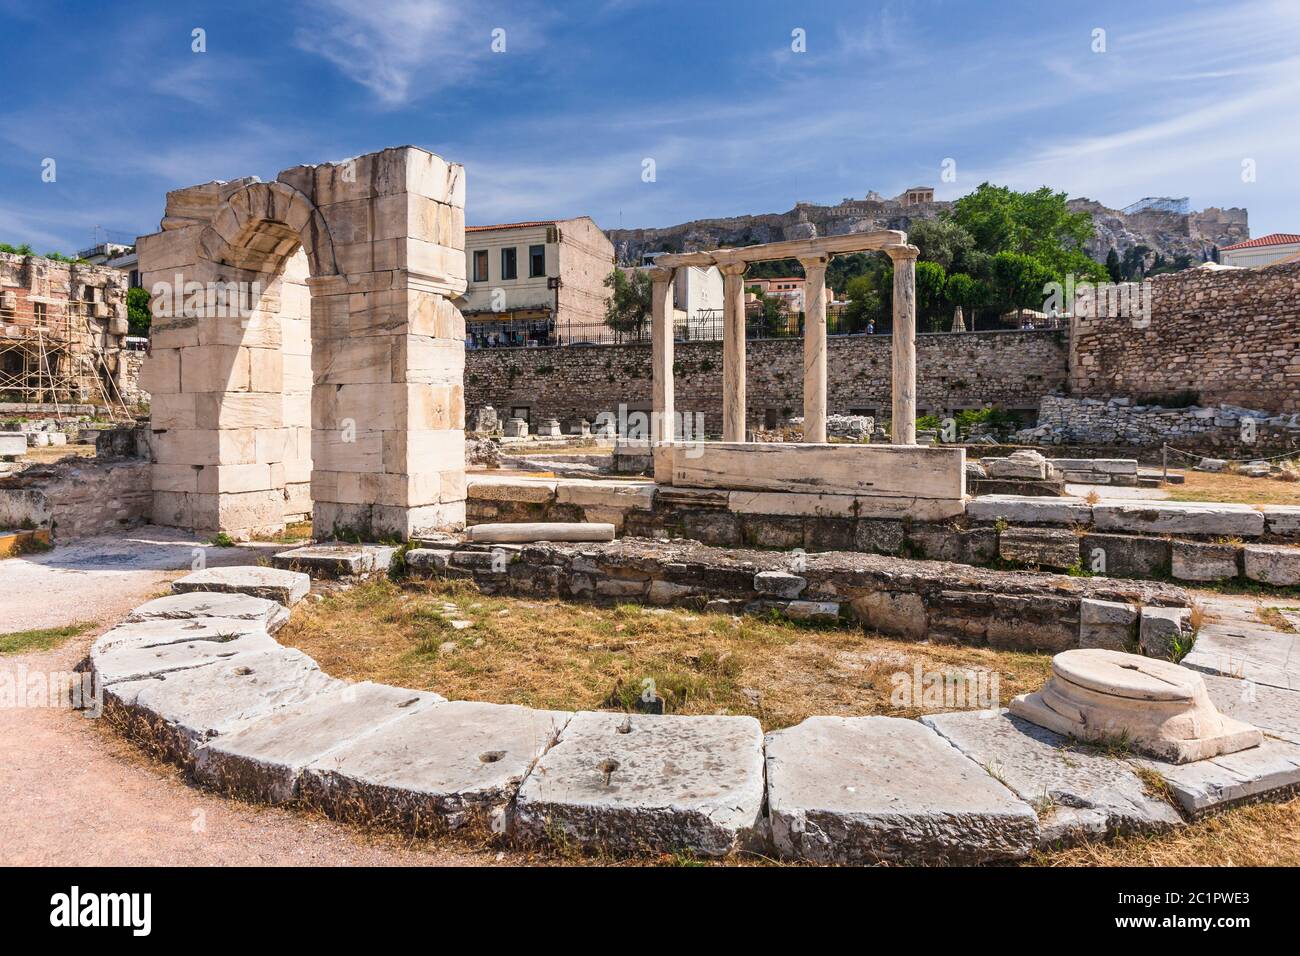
(733, 351)
(903, 428)
(661, 349)
(814, 348)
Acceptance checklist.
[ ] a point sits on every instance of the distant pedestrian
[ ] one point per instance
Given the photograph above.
(871, 326)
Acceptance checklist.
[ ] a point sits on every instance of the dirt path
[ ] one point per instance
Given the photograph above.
(71, 792)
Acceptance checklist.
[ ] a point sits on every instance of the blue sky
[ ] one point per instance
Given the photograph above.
(736, 121)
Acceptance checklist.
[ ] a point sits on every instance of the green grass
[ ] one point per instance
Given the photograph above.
(41, 639)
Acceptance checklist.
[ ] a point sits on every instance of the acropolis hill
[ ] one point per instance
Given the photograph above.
(1166, 226)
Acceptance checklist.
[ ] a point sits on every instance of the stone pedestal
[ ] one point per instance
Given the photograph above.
(516, 428)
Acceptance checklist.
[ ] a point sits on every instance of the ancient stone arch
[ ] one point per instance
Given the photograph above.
(306, 353)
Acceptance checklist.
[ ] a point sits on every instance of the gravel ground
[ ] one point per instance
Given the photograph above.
(73, 793)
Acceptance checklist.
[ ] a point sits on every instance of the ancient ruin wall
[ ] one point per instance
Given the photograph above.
(1227, 335)
(1013, 369)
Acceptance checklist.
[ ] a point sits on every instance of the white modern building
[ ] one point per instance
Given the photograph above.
(1264, 251)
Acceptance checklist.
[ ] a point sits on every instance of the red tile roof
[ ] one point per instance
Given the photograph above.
(513, 225)
(1272, 239)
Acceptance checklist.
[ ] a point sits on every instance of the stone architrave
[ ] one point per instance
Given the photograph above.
(334, 282)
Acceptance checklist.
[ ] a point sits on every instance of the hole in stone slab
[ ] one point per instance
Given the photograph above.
(243, 671)
(625, 727)
(607, 767)
(408, 703)
(491, 756)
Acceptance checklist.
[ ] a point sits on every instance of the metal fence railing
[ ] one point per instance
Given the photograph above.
(704, 326)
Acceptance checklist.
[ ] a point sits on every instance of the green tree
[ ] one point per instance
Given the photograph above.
(773, 315)
(968, 292)
(1112, 265)
(628, 310)
(930, 281)
(871, 298)
(942, 240)
(1036, 224)
(1019, 281)
(138, 315)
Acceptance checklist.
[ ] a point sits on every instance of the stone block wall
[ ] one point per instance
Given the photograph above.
(1228, 335)
(1013, 369)
(79, 497)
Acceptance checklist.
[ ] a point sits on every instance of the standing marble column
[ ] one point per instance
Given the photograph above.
(814, 348)
(661, 347)
(903, 428)
(733, 351)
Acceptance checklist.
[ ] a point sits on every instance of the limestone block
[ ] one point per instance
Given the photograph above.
(428, 559)
(891, 612)
(813, 612)
(606, 494)
(238, 409)
(1079, 793)
(1029, 510)
(781, 584)
(964, 546)
(870, 789)
(334, 559)
(524, 532)
(130, 660)
(1176, 517)
(161, 371)
(179, 607)
(1278, 565)
(265, 760)
(643, 783)
(445, 766)
(878, 536)
(1164, 632)
(1219, 782)
(1044, 547)
(1108, 624)
(159, 632)
(215, 368)
(233, 479)
(1197, 561)
(12, 444)
(172, 411)
(1125, 556)
(844, 506)
(1022, 464)
(286, 587)
(1282, 519)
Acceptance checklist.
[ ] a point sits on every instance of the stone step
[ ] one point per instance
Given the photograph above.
(334, 560)
(272, 615)
(871, 789)
(275, 584)
(643, 783)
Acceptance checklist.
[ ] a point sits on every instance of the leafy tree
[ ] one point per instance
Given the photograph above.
(23, 250)
(968, 292)
(773, 315)
(138, 315)
(1018, 281)
(943, 240)
(930, 281)
(871, 298)
(1037, 224)
(628, 310)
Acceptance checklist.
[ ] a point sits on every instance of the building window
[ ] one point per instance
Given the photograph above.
(38, 314)
(480, 265)
(536, 261)
(509, 264)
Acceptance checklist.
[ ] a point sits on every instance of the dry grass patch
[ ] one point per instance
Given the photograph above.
(294, 533)
(1263, 834)
(552, 654)
(1225, 486)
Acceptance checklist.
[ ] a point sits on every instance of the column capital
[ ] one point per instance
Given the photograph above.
(897, 253)
(733, 268)
(661, 273)
(814, 262)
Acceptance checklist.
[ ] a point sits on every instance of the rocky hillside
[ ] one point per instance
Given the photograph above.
(1169, 234)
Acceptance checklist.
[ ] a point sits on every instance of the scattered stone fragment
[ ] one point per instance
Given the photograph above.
(337, 560)
(1234, 778)
(274, 584)
(870, 789)
(780, 584)
(1107, 624)
(644, 783)
(1278, 565)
